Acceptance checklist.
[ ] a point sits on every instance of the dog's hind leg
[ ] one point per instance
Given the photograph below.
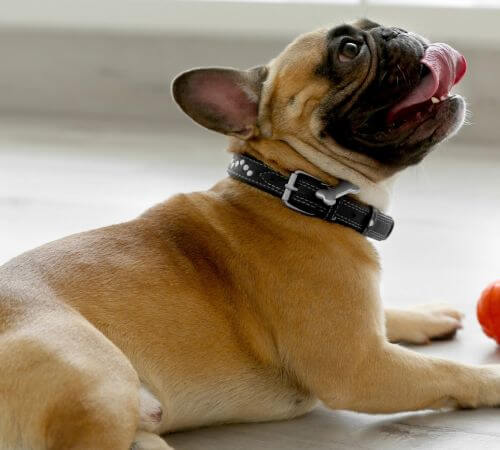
(63, 384)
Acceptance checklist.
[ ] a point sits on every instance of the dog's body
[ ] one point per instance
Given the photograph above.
(224, 305)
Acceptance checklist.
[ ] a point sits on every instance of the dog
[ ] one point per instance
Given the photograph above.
(234, 305)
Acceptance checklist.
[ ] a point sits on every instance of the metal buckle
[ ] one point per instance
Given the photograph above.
(290, 187)
(331, 194)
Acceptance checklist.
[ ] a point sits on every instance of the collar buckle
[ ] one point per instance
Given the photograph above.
(329, 195)
(290, 187)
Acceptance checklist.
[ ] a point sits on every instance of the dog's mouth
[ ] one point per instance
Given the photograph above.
(443, 67)
(400, 132)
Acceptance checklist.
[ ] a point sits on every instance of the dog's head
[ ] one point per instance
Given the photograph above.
(372, 97)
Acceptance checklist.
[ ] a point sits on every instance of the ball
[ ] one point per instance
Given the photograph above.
(488, 311)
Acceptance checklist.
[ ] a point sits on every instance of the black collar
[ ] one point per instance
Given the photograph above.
(310, 196)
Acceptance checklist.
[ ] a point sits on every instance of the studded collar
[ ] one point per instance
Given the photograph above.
(308, 195)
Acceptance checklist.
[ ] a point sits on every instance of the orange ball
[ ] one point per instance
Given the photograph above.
(488, 310)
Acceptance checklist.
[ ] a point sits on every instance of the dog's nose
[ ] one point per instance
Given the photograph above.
(390, 33)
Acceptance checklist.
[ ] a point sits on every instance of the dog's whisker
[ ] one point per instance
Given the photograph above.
(402, 74)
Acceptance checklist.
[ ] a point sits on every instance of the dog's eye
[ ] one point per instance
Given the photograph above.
(348, 50)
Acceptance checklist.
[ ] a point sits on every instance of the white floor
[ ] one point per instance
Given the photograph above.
(60, 177)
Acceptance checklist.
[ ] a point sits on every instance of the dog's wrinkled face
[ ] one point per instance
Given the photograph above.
(362, 94)
(381, 119)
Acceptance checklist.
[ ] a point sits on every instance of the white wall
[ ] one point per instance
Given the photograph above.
(116, 58)
(256, 19)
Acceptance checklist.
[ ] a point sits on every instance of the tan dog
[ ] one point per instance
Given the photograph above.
(227, 306)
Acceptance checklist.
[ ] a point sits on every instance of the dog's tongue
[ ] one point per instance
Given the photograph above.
(447, 67)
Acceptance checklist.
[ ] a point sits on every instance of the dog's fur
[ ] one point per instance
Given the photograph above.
(225, 306)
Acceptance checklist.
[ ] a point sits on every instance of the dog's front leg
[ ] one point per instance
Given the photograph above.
(392, 379)
(340, 352)
(421, 324)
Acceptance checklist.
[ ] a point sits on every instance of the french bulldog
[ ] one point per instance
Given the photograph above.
(234, 305)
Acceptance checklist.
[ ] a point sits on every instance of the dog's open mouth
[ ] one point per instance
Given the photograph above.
(443, 68)
(400, 117)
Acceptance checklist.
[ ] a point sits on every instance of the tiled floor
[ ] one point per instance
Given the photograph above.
(60, 177)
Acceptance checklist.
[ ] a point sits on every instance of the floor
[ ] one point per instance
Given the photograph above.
(62, 176)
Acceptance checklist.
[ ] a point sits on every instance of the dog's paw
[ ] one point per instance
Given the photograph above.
(149, 441)
(435, 322)
(424, 323)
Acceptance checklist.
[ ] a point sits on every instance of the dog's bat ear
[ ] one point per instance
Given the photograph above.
(223, 100)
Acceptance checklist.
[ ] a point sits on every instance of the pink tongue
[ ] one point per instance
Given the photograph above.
(447, 67)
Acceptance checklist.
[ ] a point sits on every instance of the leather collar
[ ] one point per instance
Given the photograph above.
(310, 196)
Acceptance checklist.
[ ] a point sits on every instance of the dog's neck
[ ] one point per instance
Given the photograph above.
(284, 158)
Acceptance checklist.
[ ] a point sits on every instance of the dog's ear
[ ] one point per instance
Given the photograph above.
(223, 100)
